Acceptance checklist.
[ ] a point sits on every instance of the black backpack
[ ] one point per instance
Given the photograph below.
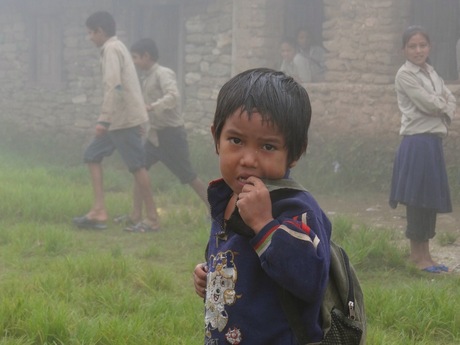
(342, 310)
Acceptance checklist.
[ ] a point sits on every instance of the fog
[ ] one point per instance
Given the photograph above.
(51, 73)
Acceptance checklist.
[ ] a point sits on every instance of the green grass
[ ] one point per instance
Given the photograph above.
(60, 285)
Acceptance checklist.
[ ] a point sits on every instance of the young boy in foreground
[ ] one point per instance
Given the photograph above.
(119, 123)
(261, 239)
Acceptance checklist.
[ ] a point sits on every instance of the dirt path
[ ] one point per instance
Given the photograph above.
(373, 210)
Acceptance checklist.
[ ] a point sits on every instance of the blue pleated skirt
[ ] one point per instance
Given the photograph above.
(419, 174)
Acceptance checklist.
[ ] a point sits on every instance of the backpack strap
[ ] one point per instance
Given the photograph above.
(339, 269)
(292, 305)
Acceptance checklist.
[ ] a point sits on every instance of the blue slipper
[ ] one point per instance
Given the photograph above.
(431, 269)
(84, 222)
(442, 268)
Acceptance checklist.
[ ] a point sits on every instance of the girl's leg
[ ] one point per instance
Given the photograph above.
(421, 224)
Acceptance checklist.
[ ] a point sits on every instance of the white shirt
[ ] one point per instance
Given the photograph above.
(426, 104)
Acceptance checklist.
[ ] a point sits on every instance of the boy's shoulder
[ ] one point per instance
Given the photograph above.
(289, 194)
(115, 44)
(163, 70)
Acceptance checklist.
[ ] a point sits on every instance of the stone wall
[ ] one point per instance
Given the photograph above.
(207, 60)
(220, 39)
(364, 110)
(363, 39)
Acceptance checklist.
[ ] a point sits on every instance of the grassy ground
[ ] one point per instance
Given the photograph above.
(60, 285)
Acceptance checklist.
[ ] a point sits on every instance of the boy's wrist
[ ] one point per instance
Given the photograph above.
(104, 123)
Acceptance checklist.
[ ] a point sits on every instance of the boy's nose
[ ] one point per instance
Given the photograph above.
(249, 158)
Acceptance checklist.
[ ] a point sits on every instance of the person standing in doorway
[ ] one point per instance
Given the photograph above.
(119, 125)
(288, 63)
(313, 56)
(419, 178)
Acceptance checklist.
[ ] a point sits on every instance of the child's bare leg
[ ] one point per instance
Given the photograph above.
(136, 212)
(200, 188)
(98, 211)
(145, 190)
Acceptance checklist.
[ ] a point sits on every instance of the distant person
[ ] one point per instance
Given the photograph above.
(119, 124)
(261, 240)
(313, 54)
(288, 65)
(167, 137)
(419, 174)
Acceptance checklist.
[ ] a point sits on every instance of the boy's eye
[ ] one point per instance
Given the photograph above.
(235, 140)
(269, 147)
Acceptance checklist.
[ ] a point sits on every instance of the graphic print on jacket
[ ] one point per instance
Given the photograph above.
(220, 291)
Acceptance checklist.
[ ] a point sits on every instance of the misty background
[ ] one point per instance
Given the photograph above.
(50, 71)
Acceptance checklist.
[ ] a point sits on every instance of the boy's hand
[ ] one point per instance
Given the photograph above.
(199, 279)
(100, 129)
(254, 204)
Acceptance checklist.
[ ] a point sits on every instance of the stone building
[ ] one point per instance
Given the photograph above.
(50, 77)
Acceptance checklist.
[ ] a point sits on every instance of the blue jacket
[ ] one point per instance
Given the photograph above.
(242, 304)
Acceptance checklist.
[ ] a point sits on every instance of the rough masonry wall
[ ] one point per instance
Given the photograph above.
(64, 109)
(220, 39)
(207, 60)
(363, 39)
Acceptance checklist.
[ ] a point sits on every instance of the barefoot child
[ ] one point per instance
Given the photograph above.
(261, 240)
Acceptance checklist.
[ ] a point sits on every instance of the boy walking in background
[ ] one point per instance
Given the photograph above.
(119, 123)
(167, 137)
(267, 232)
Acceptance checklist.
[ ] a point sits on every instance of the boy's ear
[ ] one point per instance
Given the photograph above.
(216, 142)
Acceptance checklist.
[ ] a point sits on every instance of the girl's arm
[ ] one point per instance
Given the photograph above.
(430, 103)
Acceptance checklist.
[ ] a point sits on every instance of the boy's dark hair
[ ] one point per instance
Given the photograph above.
(289, 40)
(102, 20)
(146, 45)
(278, 98)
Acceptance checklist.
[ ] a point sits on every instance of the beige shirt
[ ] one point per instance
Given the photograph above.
(160, 91)
(426, 104)
(122, 106)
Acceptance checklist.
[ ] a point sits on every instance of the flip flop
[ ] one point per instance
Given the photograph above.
(442, 268)
(141, 227)
(124, 219)
(84, 222)
(431, 269)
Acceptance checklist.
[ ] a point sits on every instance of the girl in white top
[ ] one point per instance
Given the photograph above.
(419, 174)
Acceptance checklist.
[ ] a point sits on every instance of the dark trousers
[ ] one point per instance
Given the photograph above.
(421, 223)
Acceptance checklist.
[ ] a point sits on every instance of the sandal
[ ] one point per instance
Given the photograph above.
(125, 220)
(142, 227)
(84, 222)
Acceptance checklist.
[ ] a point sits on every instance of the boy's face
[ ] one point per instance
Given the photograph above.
(303, 40)
(248, 147)
(287, 51)
(142, 61)
(98, 37)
